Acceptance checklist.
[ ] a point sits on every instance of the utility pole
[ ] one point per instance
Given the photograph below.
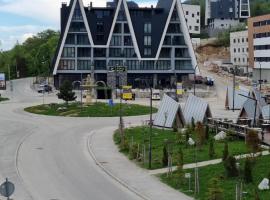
(234, 88)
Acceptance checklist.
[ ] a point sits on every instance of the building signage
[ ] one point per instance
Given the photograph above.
(127, 93)
(118, 69)
(2, 81)
(180, 90)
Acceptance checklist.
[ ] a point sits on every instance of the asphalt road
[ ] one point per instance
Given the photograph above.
(47, 157)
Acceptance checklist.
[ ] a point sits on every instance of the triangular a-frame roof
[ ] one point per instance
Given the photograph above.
(196, 108)
(73, 4)
(238, 99)
(248, 111)
(169, 114)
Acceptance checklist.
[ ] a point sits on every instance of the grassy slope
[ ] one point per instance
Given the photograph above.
(260, 171)
(140, 134)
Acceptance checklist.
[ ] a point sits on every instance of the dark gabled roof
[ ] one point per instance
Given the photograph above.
(158, 20)
(107, 20)
(65, 13)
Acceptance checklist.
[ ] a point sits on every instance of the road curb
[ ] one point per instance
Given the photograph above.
(91, 152)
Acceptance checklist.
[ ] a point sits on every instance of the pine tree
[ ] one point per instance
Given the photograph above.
(225, 151)
(230, 167)
(66, 92)
(211, 149)
(253, 141)
(214, 190)
(248, 171)
(165, 156)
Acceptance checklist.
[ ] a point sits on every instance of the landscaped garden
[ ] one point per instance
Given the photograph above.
(199, 143)
(137, 140)
(214, 180)
(95, 110)
(3, 99)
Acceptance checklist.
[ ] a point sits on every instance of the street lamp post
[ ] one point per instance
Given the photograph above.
(175, 82)
(234, 71)
(151, 121)
(247, 66)
(194, 85)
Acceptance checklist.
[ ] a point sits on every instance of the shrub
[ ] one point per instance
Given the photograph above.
(225, 151)
(248, 171)
(230, 167)
(165, 156)
(211, 149)
(66, 93)
(214, 190)
(253, 141)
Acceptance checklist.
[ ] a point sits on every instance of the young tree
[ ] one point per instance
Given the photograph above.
(214, 190)
(225, 151)
(248, 171)
(66, 92)
(193, 125)
(165, 156)
(211, 149)
(180, 161)
(200, 132)
(253, 141)
(230, 167)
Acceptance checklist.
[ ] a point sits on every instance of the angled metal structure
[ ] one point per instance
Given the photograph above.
(169, 114)
(248, 111)
(256, 94)
(266, 112)
(196, 108)
(238, 99)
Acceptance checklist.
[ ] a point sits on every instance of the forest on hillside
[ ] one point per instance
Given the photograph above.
(31, 58)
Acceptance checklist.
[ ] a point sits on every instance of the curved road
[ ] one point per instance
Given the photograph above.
(47, 157)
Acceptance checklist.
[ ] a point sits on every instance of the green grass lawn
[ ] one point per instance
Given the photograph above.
(3, 99)
(261, 170)
(140, 135)
(95, 110)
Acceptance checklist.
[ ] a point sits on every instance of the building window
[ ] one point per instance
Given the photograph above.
(68, 52)
(147, 40)
(234, 41)
(99, 52)
(118, 28)
(198, 21)
(163, 65)
(100, 37)
(165, 53)
(77, 13)
(100, 27)
(84, 64)
(147, 65)
(100, 65)
(198, 13)
(196, 28)
(82, 39)
(70, 39)
(147, 51)
(186, 12)
(128, 41)
(129, 53)
(116, 41)
(147, 28)
(84, 52)
(66, 65)
(133, 64)
(193, 15)
(126, 28)
(115, 52)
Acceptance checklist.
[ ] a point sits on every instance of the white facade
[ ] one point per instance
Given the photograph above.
(262, 53)
(239, 49)
(193, 18)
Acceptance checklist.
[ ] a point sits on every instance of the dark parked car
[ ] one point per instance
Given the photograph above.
(44, 88)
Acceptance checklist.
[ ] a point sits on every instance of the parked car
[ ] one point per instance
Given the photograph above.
(44, 88)
(198, 79)
(156, 95)
(209, 81)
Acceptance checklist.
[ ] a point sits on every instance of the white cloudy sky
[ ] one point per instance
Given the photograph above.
(20, 19)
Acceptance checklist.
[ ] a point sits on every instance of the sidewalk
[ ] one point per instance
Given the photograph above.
(116, 165)
(205, 163)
